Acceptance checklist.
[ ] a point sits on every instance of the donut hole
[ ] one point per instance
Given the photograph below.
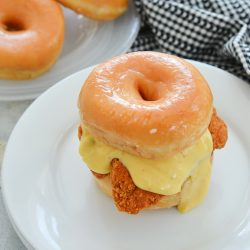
(13, 25)
(148, 92)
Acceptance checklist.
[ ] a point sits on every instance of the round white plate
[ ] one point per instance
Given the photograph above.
(86, 43)
(53, 201)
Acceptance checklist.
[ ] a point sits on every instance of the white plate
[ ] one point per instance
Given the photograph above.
(86, 43)
(54, 203)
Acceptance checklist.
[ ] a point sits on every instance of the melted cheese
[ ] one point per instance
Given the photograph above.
(161, 176)
(196, 187)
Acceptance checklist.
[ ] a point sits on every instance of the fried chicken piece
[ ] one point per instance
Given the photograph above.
(218, 130)
(127, 196)
(79, 132)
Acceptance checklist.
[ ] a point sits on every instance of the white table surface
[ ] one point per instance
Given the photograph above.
(10, 112)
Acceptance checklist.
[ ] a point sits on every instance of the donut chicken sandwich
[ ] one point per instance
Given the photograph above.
(148, 131)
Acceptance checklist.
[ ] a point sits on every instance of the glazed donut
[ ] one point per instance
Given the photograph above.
(31, 37)
(97, 9)
(148, 104)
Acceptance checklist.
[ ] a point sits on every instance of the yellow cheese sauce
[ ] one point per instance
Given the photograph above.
(161, 176)
(196, 187)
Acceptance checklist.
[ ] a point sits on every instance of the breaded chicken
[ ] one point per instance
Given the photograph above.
(218, 130)
(131, 199)
(127, 196)
(79, 132)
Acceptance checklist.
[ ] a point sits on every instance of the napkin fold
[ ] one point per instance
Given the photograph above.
(213, 31)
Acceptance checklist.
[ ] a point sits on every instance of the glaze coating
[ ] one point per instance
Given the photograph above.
(146, 103)
(31, 37)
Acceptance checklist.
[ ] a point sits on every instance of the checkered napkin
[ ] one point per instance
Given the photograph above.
(212, 31)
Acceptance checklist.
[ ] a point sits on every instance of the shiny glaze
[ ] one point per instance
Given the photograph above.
(146, 102)
(38, 40)
(98, 9)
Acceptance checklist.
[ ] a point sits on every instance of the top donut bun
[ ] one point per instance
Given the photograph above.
(146, 103)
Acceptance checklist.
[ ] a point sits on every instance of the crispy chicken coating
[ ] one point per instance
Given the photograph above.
(131, 199)
(218, 130)
(127, 196)
(79, 134)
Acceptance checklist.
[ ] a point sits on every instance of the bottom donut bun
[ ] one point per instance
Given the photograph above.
(165, 202)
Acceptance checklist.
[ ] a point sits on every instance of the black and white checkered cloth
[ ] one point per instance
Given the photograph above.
(212, 31)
